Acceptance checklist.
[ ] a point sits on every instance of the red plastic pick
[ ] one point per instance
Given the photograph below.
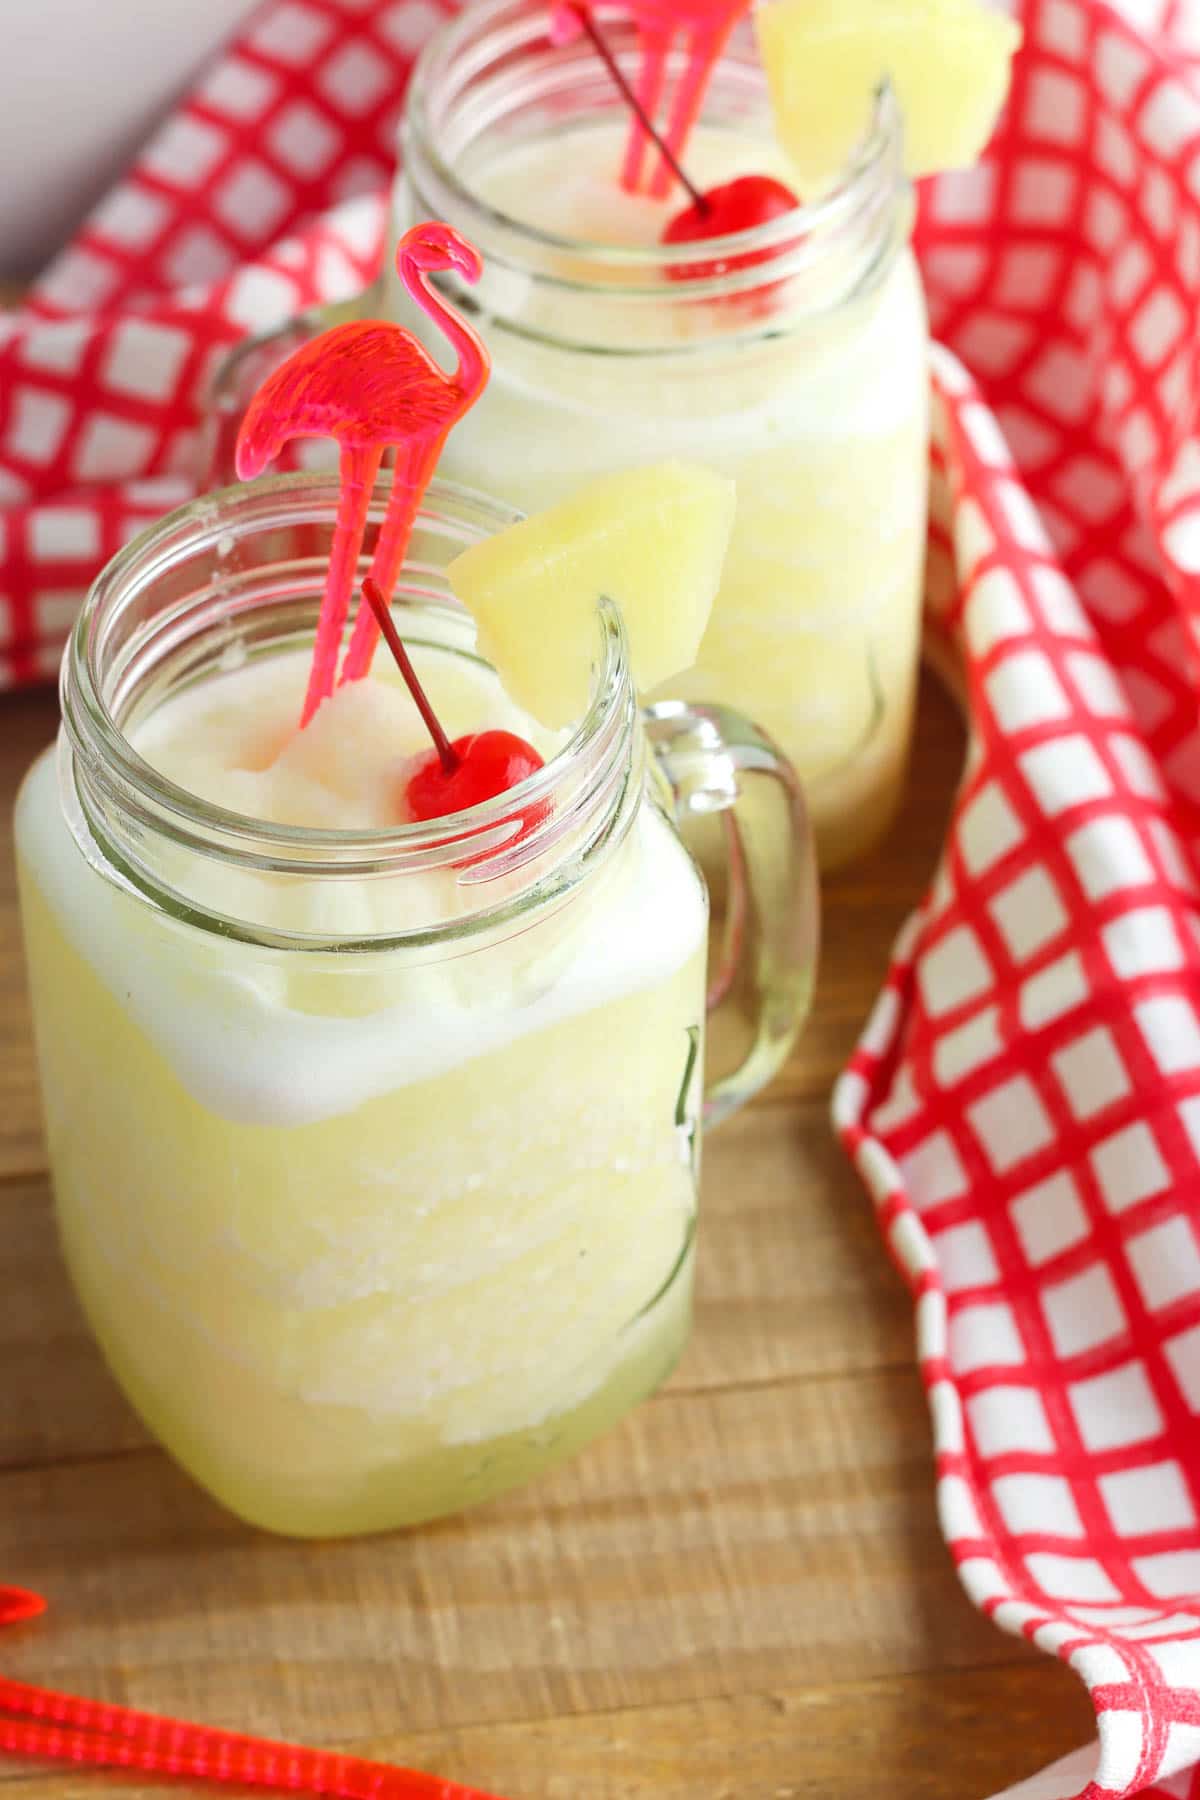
(735, 206)
(371, 386)
(703, 27)
(64, 1728)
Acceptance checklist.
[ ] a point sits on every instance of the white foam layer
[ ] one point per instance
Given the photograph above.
(283, 1037)
(232, 739)
(585, 200)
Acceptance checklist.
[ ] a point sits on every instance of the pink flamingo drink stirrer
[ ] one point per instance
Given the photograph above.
(372, 386)
(37, 1722)
(704, 27)
(738, 205)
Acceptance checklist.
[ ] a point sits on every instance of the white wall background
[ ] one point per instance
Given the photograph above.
(82, 83)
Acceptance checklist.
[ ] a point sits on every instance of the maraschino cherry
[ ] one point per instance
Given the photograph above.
(737, 205)
(452, 776)
(487, 763)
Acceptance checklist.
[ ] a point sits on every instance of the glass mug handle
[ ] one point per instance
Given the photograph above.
(718, 763)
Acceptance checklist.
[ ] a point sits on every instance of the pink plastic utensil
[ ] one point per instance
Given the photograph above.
(571, 20)
(371, 386)
(740, 205)
(36, 1722)
(703, 27)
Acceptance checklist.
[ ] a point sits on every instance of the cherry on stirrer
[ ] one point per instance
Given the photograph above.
(737, 205)
(697, 30)
(452, 776)
(570, 20)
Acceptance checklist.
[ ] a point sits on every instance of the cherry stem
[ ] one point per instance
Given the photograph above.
(447, 754)
(639, 112)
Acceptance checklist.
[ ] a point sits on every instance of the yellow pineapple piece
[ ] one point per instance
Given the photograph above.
(948, 62)
(653, 540)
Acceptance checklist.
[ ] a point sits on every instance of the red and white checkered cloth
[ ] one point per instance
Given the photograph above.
(262, 195)
(1025, 1105)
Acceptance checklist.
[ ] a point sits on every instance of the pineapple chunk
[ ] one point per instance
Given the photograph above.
(947, 60)
(653, 540)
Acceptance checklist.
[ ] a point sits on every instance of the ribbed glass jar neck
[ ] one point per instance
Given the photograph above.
(237, 576)
(491, 80)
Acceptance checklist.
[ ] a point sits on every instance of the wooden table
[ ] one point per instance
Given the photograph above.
(739, 1595)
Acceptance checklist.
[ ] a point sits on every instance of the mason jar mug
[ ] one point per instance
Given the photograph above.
(375, 1151)
(791, 357)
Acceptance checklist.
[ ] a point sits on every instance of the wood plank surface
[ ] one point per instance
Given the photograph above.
(741, 1594)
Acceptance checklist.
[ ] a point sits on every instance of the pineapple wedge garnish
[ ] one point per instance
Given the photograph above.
(652, 540)
(948, 61)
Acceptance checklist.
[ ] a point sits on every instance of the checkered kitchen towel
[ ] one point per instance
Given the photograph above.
(263, 195)
(1025, 1102)
(1025, 1105)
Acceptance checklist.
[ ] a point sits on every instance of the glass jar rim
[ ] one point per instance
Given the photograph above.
(105, 753)
(876, 155)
